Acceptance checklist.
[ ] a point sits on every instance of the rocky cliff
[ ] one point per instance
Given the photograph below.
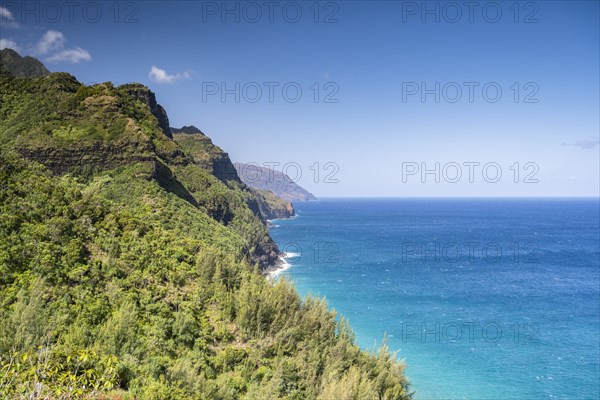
(205, 154)
(271, 206)
(91, 131)
(141, 93)
(213, 159)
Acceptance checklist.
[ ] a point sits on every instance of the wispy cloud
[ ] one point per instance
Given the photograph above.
(7, 20)
(51, 41)
(586, 144)
(52, 45)
(10, 44)
(161, 76)
(71, 55)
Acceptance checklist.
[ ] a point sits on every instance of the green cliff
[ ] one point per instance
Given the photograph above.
(131, 269)
(211, 158)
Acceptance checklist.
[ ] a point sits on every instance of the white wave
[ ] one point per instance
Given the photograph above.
(283, 267)
(291, 255)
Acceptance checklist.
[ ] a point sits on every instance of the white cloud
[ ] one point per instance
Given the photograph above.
(161, 76)
(52, 45)
(6, 14)
(52, 41)
(7, 20)
(586, 144)
(71, 55)
(10, 44)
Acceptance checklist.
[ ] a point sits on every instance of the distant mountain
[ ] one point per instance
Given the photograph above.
(271, 180)
(24, 67)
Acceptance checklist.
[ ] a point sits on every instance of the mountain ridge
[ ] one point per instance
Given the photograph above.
(14, 64)
(212, 158)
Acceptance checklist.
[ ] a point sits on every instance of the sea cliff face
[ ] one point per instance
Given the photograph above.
(213, 159)
(273, 206)
(88, 131)
(205, 154)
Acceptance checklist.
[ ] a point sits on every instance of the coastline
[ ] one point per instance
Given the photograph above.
(271, 222)
(273, 271)
(366, 289)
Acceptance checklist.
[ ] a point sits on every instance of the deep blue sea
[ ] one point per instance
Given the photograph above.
(482, 298)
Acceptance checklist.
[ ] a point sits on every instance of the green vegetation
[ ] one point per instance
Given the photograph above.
(271, 205)
(128, 271)
(214, 160)
(204, 153)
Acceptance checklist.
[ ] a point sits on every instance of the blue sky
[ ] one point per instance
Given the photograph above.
(369, 128)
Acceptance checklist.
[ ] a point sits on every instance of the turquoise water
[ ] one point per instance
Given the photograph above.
(483, 298)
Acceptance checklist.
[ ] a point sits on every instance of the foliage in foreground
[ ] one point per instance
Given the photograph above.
(101, 295)
(120, 283)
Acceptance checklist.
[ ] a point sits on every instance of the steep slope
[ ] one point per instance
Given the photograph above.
(125, 268)
(72, 128)
(205, 154)
(214, 160)
(272, 206)
(271, 180)
(13, 63)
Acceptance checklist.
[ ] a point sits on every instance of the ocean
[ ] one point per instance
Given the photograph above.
(481, 298)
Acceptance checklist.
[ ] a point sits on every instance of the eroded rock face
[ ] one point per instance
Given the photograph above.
(271, 206)
(267, 256)
(223, 168)
(84, 130)
(94, 157)
(206, 155)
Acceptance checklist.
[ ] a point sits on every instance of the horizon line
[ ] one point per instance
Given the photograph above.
(455, 197)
